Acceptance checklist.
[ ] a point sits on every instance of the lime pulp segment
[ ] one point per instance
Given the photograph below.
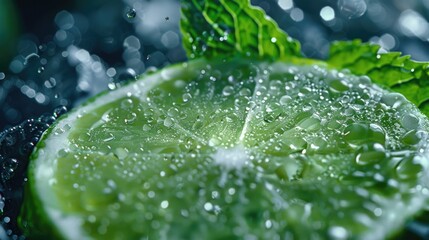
(247, 150)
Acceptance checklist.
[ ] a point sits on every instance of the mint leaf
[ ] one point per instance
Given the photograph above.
(399, 73)
(225, 28)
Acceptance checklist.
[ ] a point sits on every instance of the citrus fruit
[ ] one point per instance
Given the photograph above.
(233, 149)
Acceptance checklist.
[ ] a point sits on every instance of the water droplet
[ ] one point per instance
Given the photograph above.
(268, 224)
(245, 92)
(285, 100)
(231, 191)
(59, 111)
(111, 72)
(410, 121)
(130, 118)
(369, 154)
(352, 8)
(40, 70)
(411, 137)
(393, 100)
(408, 168)
(228, 90)
(32, 58)
(338, 86)
(164, 204)
(186, 97)
(173, 112)
(121, 153)
(125, 75)
(358, 133)
(168, 122)
(337, 232)
(327, 13)
(317, 143)
(131, 13)
(208, 206)
(111, 86)
(26, 148)
(127, 103)
(10, 138)
(146, 127)
(10, 164)
(311, 124)
(378, 212)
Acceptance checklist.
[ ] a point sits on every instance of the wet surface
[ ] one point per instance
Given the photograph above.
(77, 49)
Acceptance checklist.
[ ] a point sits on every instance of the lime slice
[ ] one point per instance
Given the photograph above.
(232, 150)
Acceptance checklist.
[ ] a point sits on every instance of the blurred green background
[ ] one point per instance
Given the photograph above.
(9, 30)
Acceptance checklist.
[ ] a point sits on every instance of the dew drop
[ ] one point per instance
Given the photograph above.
(352, 8)
(393, 100)
(131, 13)
(208, 206)
(409, 121)
(127, 103)
(164, 204)
(228, 90)
(268, 224)
(10, 164)
(411, 137)
(408, 168)
(121, 153)
(130, 118)
(173, 112)
(59, 111)
(317, 143)
(168, 122)
(125, 75)
(146, 127)
(245, 92)
(186, 97)
(369, 154)
(337, 232)
(358, 133)
(40, 70)
(338, 86)
(285, 100)
(311, 124)
(327, 13)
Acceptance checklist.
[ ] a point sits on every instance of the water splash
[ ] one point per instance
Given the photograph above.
(16, 145)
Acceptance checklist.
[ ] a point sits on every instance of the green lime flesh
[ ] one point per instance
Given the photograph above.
(233, 150)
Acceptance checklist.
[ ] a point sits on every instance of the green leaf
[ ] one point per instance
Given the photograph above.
(399, 73)
(225, 28)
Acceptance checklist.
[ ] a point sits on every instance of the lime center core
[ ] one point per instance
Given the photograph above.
(231, 158)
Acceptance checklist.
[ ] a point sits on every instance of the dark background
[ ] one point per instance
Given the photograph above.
(59, 52)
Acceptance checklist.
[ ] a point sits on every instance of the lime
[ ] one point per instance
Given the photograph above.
(232, 150)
